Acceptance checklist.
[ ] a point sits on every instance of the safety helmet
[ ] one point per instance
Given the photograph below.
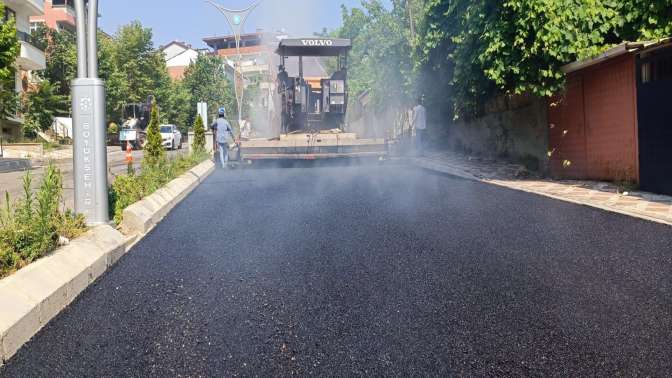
(221, 112)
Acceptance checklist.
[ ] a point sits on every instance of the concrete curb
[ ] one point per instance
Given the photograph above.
(438, 167)
(34, 295)
(142, 216)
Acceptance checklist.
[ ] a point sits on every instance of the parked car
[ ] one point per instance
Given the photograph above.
(171, 136)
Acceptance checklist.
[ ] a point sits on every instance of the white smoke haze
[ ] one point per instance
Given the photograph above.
(294, 16)
(278, 18)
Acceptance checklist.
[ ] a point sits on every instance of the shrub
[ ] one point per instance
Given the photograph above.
(125, 190)
(31, 228)
(128, 189)
(199, 135)
(154, 152)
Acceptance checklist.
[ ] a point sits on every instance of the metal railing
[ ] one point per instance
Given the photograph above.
(28, 38)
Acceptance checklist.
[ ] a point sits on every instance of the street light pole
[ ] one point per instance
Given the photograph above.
(88, 115)
(236, 19)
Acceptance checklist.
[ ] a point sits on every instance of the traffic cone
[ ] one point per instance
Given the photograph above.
(129, 157)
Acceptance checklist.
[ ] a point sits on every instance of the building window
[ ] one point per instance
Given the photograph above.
(35, 26)
(62, 3)
(9, 13)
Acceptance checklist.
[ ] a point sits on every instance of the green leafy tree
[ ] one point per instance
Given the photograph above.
(199, 135)
(177, 106)
(133, 69)
(154, 153)
(485, 48)
(381, 61)
(206, 81)
(61, 55)
(9, 49)
(644, 19)
(42, 105)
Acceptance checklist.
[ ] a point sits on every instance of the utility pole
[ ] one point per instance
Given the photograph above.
(236, 19)
(88, 116)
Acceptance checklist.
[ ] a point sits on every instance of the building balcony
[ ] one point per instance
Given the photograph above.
(31, 58)
(67, 5)
(26, 7)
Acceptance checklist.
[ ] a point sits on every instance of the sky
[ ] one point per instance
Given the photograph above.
(192, 20)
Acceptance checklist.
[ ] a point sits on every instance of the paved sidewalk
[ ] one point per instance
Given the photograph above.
(603, 195)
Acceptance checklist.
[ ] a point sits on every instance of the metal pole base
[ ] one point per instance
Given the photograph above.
(90, 150)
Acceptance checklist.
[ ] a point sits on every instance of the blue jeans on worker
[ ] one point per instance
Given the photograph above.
(223, 154)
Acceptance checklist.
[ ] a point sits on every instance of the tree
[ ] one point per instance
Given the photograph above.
(154, 153)
(132, 68)
(381, 59)
(206, 80)
(199, 135)
(178, 106)
(61, 55)
(9, 49)
(42, 105)
(488, 48)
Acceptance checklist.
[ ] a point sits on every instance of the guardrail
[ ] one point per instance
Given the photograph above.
(28, 38)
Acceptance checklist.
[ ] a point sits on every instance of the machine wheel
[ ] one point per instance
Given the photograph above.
(123, 148)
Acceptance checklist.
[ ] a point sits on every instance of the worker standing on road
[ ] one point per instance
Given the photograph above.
(419, 123)
(223, 136)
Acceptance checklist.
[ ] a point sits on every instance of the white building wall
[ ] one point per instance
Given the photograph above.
(184, 59)
(172, 51)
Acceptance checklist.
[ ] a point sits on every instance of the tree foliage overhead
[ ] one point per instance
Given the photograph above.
(381, 59)
(9, 49)
(518, 46)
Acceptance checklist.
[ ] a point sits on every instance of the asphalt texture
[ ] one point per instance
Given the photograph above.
(371, 271)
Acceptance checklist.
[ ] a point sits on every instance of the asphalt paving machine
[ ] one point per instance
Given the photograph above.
(312, 109)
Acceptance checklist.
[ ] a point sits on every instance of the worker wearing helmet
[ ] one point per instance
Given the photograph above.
(223, 136)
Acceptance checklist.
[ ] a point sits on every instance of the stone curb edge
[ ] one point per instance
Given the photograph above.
(437, 167)
(34, 295)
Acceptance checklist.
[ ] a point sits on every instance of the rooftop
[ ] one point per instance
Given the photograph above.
(616, 51)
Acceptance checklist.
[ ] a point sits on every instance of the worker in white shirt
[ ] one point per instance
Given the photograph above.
(420, 125)
(223, 136)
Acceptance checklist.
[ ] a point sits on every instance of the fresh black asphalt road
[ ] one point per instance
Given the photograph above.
(371, 271)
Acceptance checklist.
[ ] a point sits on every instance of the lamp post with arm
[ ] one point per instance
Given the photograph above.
(236, 19)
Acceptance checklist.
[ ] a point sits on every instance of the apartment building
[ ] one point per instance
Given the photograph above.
(30, 58)
(57, 15)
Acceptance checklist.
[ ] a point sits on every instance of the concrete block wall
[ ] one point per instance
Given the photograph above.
(517, 134)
